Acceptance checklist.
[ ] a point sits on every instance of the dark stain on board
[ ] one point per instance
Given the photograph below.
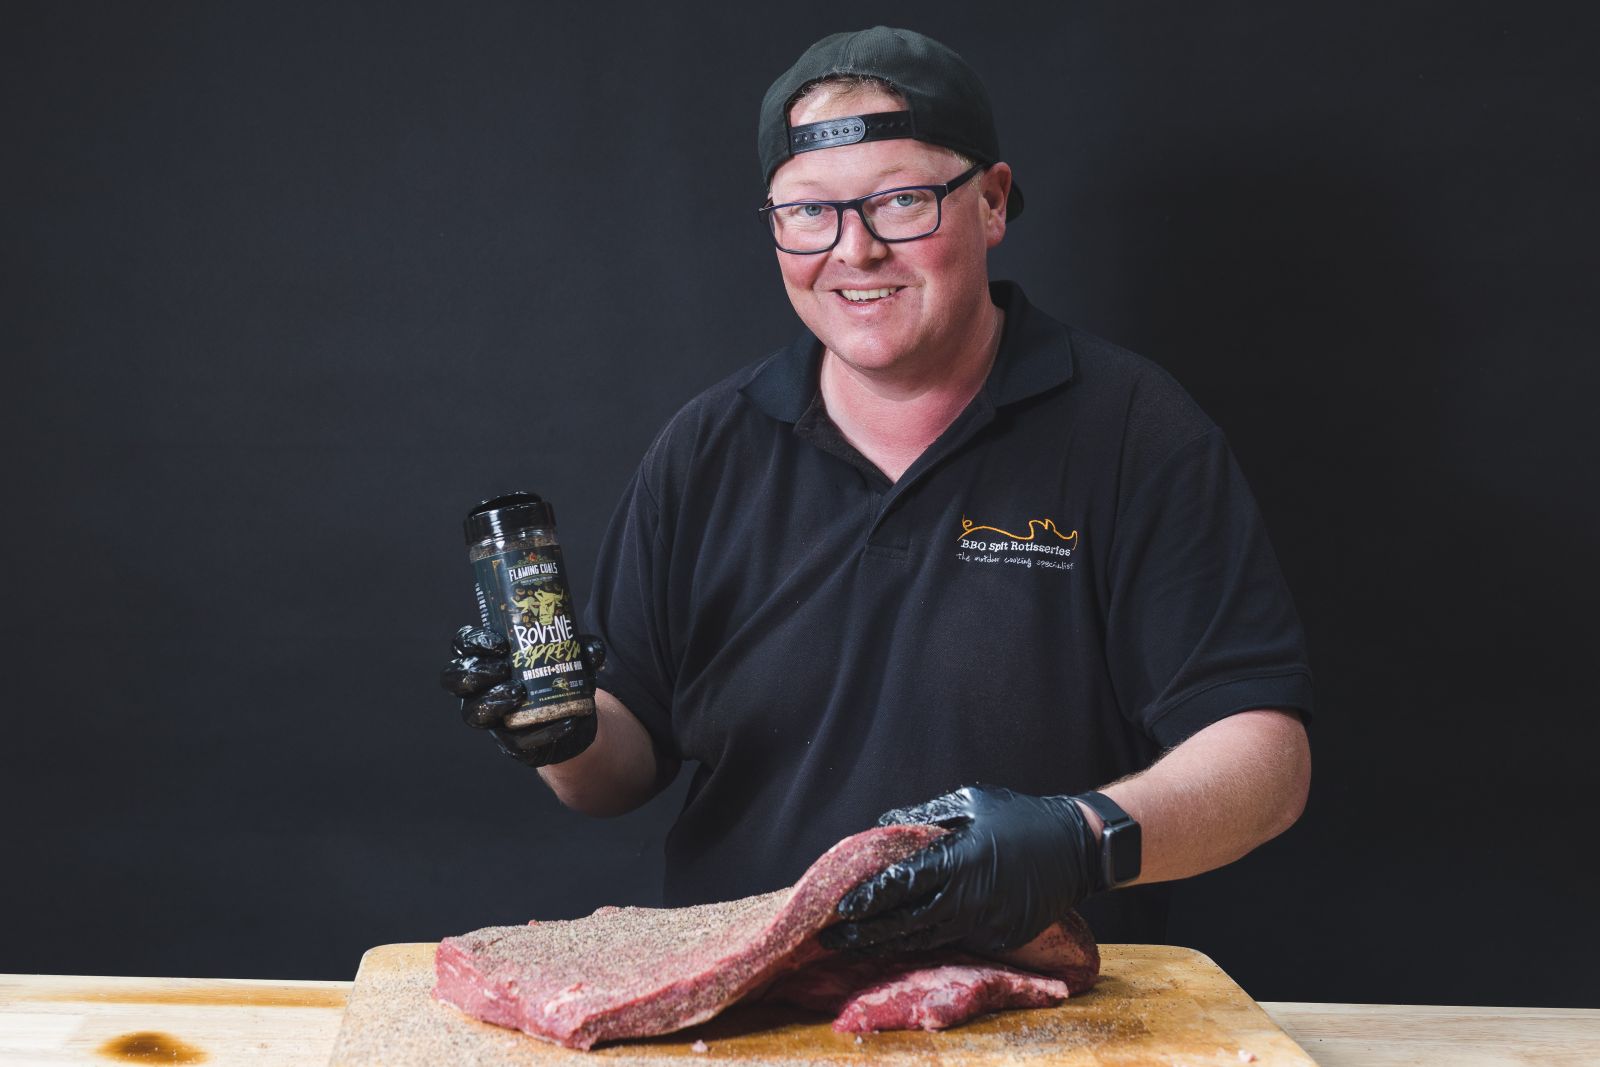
(151, 1046)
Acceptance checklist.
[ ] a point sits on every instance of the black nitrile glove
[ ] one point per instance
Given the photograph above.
(480, 674)
(1011, 865)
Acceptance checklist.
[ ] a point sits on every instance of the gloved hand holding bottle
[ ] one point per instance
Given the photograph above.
(525, 674)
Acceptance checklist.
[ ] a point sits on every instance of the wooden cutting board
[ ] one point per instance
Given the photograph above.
(1154, 1004)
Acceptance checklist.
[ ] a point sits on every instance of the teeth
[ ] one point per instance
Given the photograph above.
(868, 294)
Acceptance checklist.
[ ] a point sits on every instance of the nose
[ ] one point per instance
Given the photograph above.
(856, 244)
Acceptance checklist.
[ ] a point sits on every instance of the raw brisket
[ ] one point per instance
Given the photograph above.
(928, 993)
(635, 972)
(935, 990)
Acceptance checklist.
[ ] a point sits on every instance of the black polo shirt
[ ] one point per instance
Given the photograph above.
(1071, 579)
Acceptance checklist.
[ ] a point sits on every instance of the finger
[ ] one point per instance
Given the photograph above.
(922, 874)
(548, 742)
(467, 675)
(594, 651)
(934, 919)
(578, 735)
(937, 935)
(948, 808)
(882, 891)
(480, 641)
(921, 925)
(489, 708)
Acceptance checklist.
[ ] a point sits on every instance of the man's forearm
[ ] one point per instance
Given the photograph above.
(1229, 788)
(616, 773)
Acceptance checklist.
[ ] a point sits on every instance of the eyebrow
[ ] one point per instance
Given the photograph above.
(882, 175)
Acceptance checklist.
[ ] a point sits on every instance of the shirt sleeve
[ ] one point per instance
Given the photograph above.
(1200, 623)
(627, 609)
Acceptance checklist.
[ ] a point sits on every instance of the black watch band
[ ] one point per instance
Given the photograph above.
(1120, 846)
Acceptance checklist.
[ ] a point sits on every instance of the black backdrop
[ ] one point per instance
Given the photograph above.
(287, 289)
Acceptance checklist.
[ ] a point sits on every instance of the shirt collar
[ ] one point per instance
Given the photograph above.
(1035, 355)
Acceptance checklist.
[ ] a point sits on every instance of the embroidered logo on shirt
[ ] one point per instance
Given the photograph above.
(991, 544)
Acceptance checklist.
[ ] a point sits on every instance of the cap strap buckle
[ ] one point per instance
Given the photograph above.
(851, 129)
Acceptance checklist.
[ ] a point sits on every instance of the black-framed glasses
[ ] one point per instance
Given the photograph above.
(808, 227)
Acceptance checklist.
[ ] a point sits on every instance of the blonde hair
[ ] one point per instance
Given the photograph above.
(845, 86)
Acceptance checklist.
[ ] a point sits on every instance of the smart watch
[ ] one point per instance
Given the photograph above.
(1120, 848)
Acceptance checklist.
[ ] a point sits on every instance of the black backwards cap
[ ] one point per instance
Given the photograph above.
(946, 102)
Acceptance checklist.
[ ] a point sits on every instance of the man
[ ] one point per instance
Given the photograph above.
(940, 541)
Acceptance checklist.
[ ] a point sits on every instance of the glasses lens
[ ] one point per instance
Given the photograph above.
(804, 227)
(904, 213)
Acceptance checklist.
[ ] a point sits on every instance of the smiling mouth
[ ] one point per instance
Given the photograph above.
(866, 296)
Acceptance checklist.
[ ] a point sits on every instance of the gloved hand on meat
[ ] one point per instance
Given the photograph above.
(1011, 865)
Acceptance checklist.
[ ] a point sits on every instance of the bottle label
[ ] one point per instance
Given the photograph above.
(524, 595)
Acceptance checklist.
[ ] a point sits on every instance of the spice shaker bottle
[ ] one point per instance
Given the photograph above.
(522, 592)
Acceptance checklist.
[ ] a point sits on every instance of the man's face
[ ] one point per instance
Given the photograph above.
(939, 283)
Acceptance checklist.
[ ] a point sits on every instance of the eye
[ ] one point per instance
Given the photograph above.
(905, 200)
(811, 211)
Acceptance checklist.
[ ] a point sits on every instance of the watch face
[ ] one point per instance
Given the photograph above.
(1122, 853)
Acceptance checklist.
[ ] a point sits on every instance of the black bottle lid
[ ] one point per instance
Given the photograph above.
(504, 515)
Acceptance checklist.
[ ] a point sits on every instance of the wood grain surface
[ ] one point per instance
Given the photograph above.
(1154, 1004)
(71, 1019)
(59, 1019)
(1406, 1035)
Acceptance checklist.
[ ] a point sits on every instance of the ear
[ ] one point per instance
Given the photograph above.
(995, 188)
